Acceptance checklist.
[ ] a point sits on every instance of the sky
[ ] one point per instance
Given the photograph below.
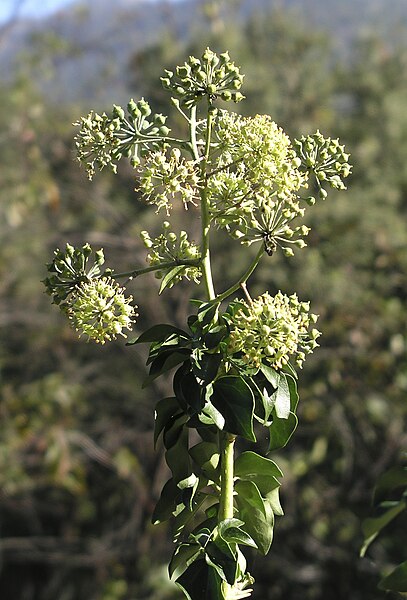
(32, 8)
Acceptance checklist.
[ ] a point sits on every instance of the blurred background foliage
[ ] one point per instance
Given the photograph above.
(78, 473)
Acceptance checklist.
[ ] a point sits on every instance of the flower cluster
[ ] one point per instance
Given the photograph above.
(168, 247)
(254, 189)
(165, 176)
(70, 269)
(212, 76)
(102, 140)
(97, 143)
(100, 310)
(273, 330)
(326, 158)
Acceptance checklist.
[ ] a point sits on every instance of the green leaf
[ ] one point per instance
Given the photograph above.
(282, 401)
(268, 404)
(256, 514)
(183, 557)
(372, 527)
(165, 410)
(170, 276)
(168, 504)
(285, 398)
(391, 480)
(207, 312)
(188, 512)
(187, 389)
(273, 498)
(233, 398)
(271, 375)
(158, 333)
(211, 415)
(165, 362)
(206, 367)
(229, 530)
(294, 398)
(206, 456)
(189, 487)
(250, 466)
(173, 429)
(396, 581)
(200, 581)
(176, 440)
(219, 554)
(170, 344)
(214, 336)
(281, 431)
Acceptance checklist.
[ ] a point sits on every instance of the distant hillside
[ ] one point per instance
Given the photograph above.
(91, 38)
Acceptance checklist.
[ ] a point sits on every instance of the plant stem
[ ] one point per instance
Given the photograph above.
(192, 262)
(226, 497)
(242, 280)
(205, 221)
(227, 440)
(226, 481)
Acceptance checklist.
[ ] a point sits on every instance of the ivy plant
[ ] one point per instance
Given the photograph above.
(235, 362)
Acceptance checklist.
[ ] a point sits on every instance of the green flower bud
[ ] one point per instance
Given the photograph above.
(184, 71)
(144, 108)
(165, 82)
(118, 112)
(238, 97)
(164, 131)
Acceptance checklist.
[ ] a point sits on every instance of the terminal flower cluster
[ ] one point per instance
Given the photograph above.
(254, 189)
(212, 76)
(273, 330)
(170, 247)
(100, 310)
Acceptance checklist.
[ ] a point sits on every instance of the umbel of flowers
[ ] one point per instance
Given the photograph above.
(234, 362)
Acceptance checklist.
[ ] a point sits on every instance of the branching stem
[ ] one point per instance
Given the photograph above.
(190, 262)
(242, 280)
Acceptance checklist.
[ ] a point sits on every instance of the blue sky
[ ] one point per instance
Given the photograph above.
(32, 8)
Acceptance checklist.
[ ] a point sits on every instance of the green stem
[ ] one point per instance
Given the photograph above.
(227, 440)
(205, 220)
(242, 280)
(226, 494)
(191, 262)
(206, 259)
